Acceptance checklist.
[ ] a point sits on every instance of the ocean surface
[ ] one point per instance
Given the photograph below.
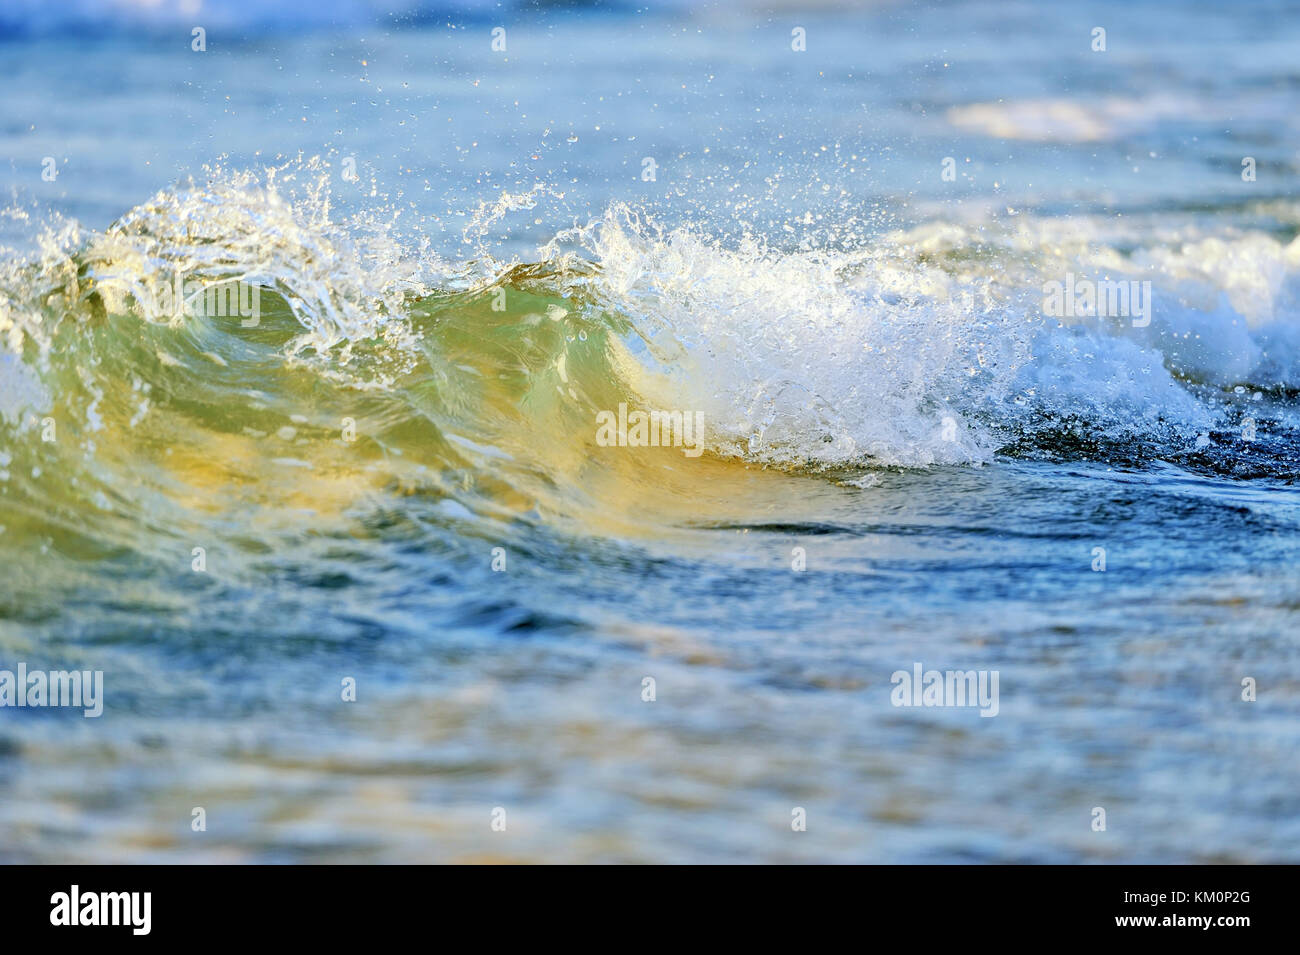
(364, 579)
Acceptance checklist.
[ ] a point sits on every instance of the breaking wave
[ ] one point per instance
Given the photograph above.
(377, 365)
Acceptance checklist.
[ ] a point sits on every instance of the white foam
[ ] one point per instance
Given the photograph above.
(1071, 121)
(343, 280)
(881, 355)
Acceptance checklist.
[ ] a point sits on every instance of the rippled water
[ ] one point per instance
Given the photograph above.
(392, 473)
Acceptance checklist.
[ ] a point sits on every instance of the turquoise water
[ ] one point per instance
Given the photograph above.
(906, 460)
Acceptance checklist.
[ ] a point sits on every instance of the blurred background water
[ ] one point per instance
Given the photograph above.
(864, 337)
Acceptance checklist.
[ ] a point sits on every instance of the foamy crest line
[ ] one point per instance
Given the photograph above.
(909, 354)
(343, 280)
(809, 358)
